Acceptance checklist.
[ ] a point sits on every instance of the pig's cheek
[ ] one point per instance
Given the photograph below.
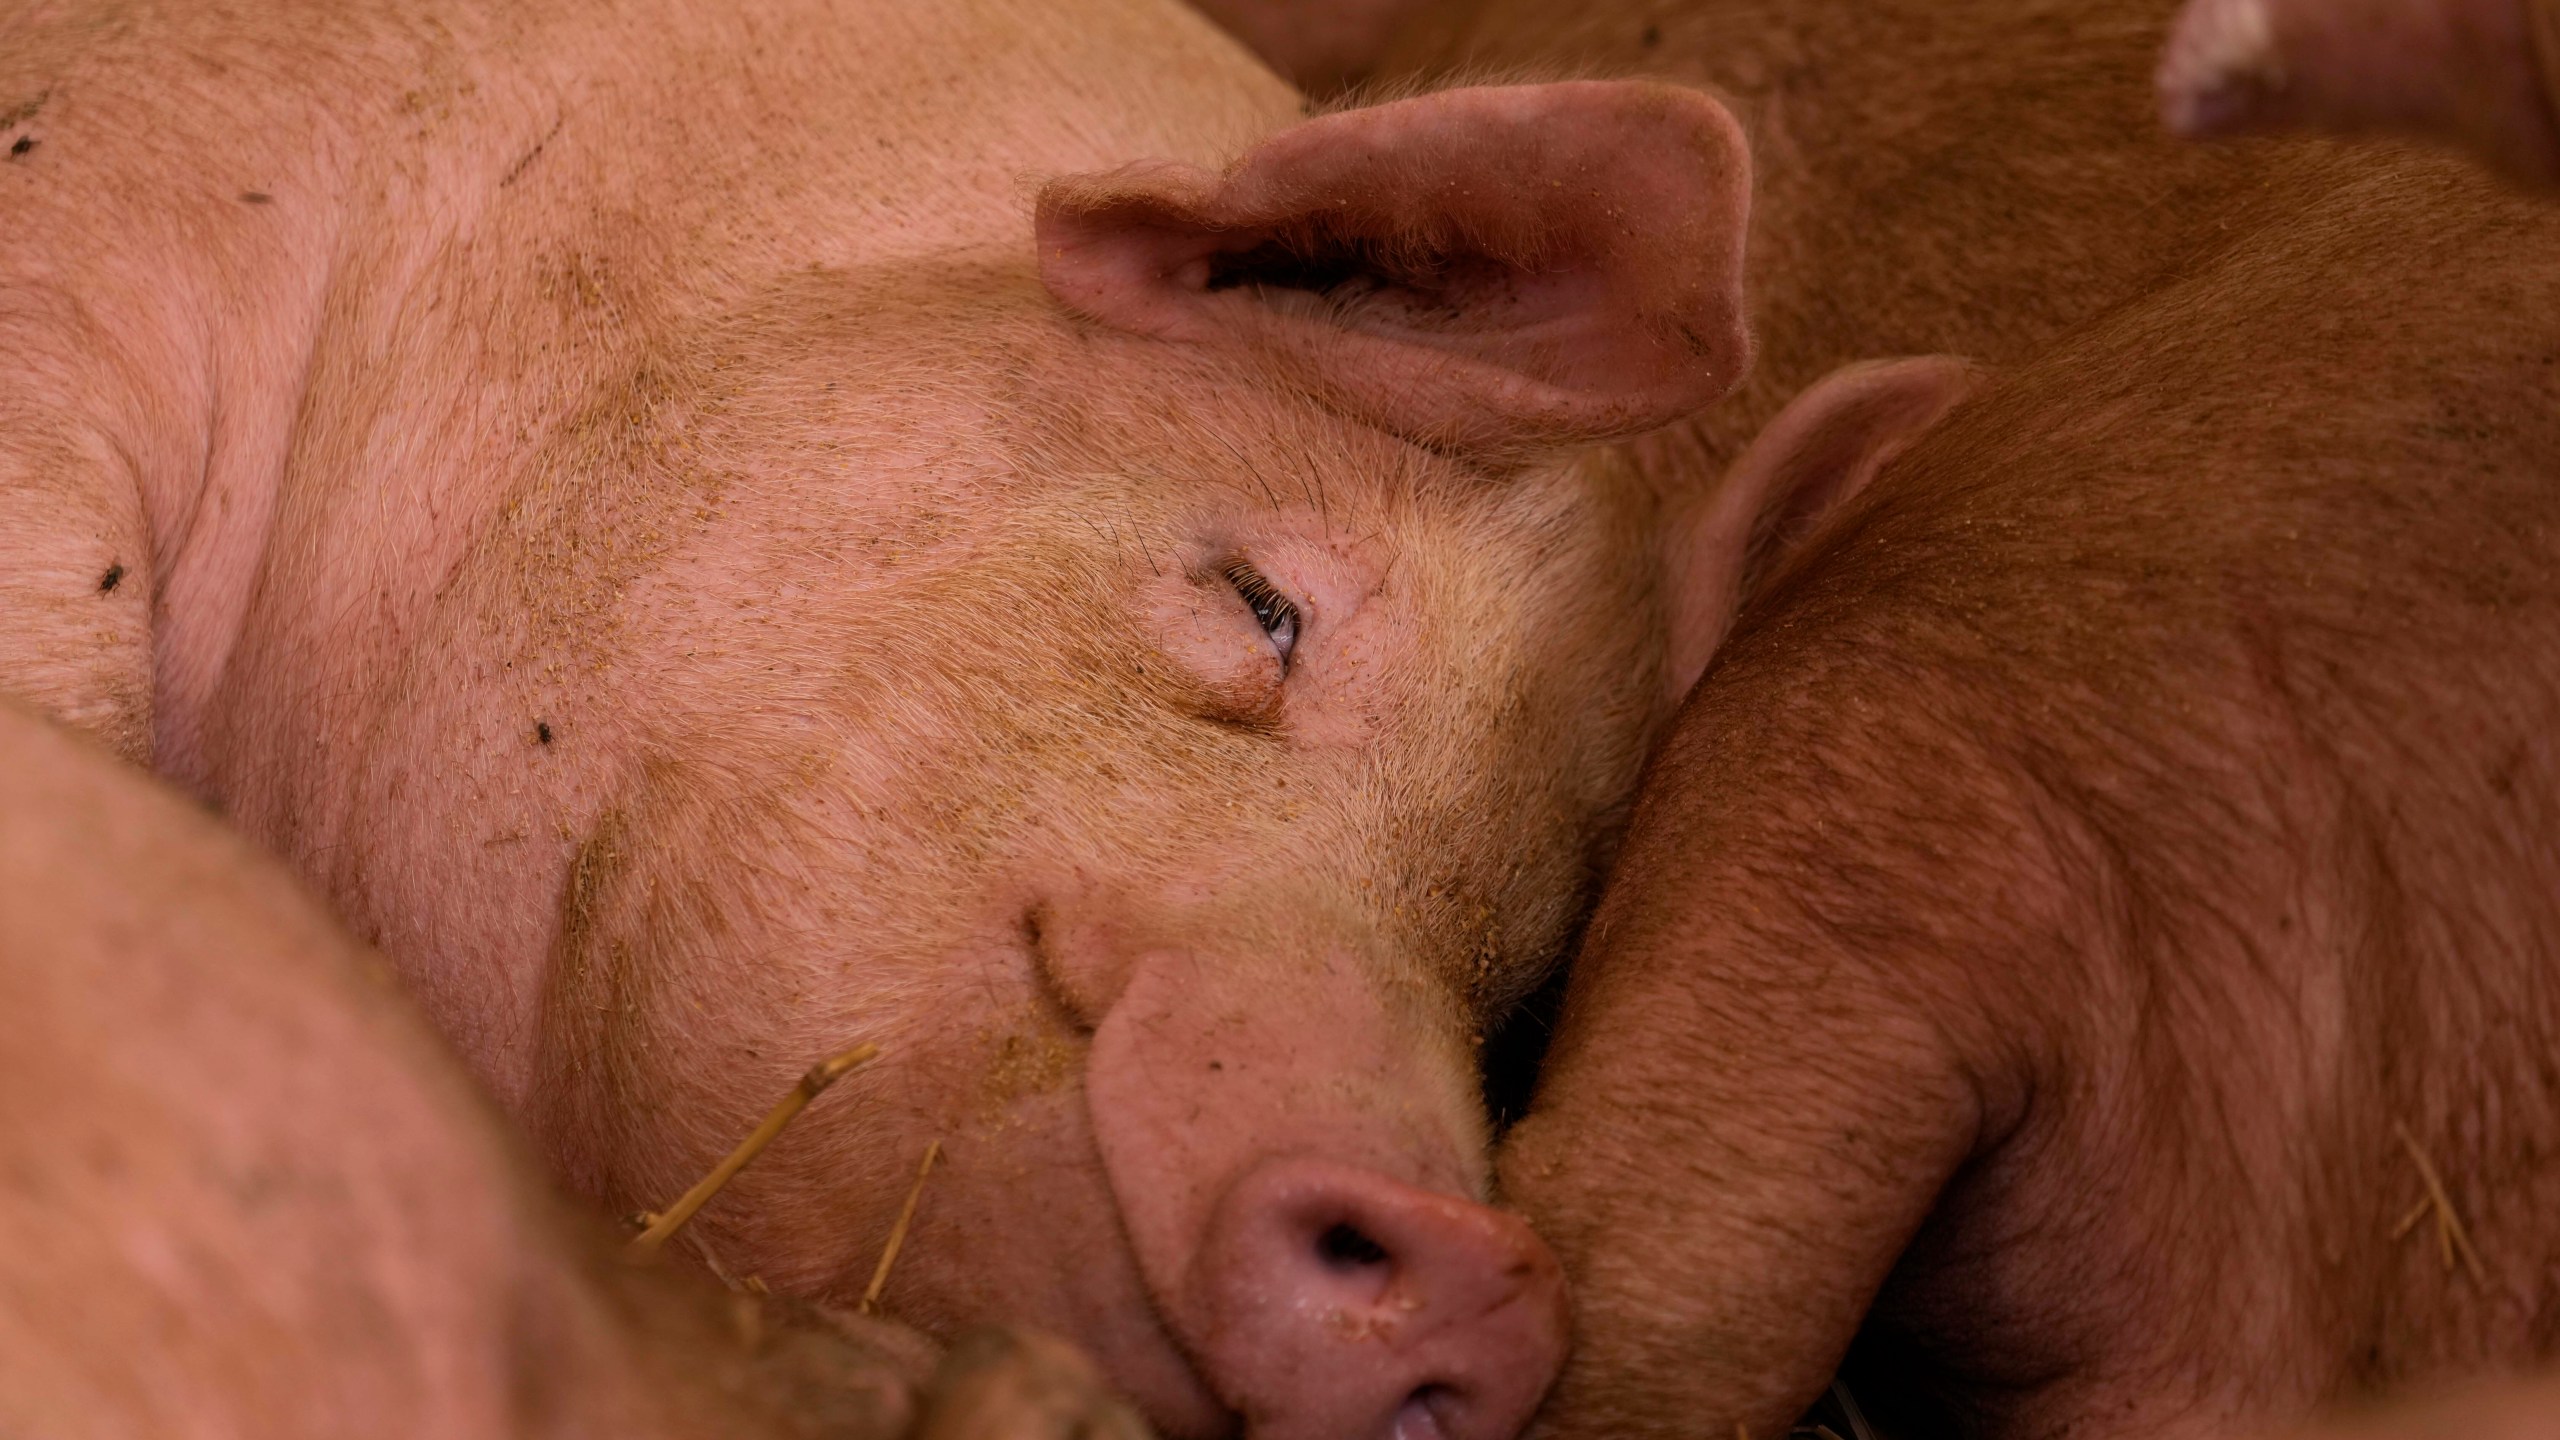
(1019, 1226)
(1352, 681)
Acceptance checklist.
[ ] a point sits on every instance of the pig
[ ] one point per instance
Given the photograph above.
(709, 533)
(2482, 76)
(248, 1193)
(2089, 937)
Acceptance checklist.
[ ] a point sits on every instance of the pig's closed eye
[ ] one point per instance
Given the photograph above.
(1277, 613)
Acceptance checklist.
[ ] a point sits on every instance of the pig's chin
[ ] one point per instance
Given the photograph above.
(1104, 1308)
(1157, 1377)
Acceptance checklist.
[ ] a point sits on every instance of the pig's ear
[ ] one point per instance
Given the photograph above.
(1495, 269)
(1824, 447)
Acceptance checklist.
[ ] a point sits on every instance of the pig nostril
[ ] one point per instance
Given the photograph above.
(1419, 1418)
(1343, 1247)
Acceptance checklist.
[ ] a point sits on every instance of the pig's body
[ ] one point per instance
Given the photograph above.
(2075, 874)
(247, 1193)
(2047, 912)
(714, 532)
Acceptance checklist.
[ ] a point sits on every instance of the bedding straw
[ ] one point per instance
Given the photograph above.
(662, 1227)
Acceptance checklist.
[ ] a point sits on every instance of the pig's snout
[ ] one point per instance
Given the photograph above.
(1343, 1305)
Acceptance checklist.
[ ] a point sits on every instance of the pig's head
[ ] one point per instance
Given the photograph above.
(1173, 697)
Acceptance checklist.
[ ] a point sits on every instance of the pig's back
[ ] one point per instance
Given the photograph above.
(2233, 630)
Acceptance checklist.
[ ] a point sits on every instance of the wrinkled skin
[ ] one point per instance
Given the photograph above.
(248, 1193)
(2482, 76)
(712, 533)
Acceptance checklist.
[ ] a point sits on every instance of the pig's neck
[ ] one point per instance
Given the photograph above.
(560, 204)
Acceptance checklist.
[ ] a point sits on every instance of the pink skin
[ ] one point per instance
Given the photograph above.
(1441, 1318)
(704, 573)
(2479, 75)
(1587, 330)
(247, 1192)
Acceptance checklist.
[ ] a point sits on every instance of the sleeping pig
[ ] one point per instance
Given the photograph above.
(712, 532)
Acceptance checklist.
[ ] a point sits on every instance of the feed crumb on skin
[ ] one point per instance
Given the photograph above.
(1024, 1065)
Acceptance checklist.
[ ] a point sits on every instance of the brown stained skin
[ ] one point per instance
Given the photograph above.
(2131, 816)
(1319, 47)
(2510, 1411)
(243, 1191)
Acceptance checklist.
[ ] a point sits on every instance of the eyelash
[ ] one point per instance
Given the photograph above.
(1277, 613)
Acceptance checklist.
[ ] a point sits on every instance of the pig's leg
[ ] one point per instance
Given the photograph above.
(2477, 74)
(1755, 1097)
(243, 1192)
(1323, 45)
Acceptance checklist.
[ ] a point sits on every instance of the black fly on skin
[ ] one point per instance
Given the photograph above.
(1277, 613)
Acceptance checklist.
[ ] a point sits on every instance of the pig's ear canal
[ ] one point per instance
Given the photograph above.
(1496, 269)
(1824, 447)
